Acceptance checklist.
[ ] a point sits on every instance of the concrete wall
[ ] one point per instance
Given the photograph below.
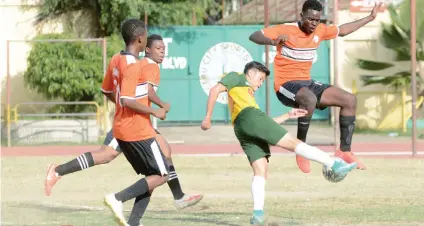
(378, 106)
(17, 24)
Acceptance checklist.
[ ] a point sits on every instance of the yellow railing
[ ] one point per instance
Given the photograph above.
(16, 115)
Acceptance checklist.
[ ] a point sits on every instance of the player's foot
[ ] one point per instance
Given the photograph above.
(303, 164)
(117, 208)
(51, 179)
(341, 167)
(187, 201)
(258, 217)
(350, 158)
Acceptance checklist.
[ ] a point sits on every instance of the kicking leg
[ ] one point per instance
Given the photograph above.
(334, 96)
(101, 156)
(181, 200)
(312, 153)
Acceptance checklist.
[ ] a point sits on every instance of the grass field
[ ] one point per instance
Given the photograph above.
(389, 193)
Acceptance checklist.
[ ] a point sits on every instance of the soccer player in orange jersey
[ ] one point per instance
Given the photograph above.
(110, 148)
(133, 129)
(296, 49)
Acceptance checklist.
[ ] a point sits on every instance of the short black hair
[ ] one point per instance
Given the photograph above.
(131, 29)
(152, 38)
(256, 65)
(311, 4)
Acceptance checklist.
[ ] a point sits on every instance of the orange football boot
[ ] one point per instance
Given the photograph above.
(350, 158)
(303, 164)
(51, 179)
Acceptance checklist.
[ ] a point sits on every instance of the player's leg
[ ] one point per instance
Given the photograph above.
(106, 153)
(140, 204)
(146, 158)
(266, 129)
(257, 152)
(181, 200)
(297, 94)
(333, 96)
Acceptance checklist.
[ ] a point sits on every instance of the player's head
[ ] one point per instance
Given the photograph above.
(155, 48)
(134, 33)
(255, 73)
(310, 15)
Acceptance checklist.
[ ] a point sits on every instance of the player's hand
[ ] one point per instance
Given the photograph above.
(166, 106)
(297, 113)
(206, 124)
(375, 10)
(280, 40)
(160, 113)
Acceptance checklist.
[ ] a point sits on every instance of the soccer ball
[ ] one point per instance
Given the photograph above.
(330, 175)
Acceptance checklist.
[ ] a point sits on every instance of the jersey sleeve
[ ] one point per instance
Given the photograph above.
(230, 80)
(330, 32)
(107, 84)
(128, 85)
(152, 73)
(274, 31)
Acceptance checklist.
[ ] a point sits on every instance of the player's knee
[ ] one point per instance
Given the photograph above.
(306, 99)
(260, 167)
(164, 179)
(351, 101)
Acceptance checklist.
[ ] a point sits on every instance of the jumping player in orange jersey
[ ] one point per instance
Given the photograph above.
(296, 49)
(110, 148)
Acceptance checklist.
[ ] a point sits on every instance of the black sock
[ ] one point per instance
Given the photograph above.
(174, 184)
(347, 126)
(83, 161)
(303, 127)
(140, 206)
(140, 187)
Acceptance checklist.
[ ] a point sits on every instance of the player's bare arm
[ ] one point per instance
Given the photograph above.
(348, 28)
(259, 38)
(213, 95)
(140, 108)
(153, 97)
(293, 114)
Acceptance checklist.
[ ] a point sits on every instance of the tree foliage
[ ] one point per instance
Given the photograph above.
(68, 71)
(109, 14)
(396, 37)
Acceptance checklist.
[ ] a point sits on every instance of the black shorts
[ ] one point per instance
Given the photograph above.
(287, 92)
(145, 156)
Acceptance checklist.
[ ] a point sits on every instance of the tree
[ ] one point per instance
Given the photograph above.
(70, 71)
(106, 16)
(396, 37)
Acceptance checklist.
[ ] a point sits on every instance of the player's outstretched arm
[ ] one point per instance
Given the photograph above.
(259, 38)
(294, 113)
(213, 95)
(348, 28)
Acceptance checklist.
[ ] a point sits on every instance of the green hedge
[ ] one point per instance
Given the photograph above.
(70, 71)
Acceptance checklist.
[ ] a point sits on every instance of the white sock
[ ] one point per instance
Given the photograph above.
(258, 192)
(314, 154)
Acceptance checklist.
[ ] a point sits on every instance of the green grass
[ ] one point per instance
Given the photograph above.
(389, 193)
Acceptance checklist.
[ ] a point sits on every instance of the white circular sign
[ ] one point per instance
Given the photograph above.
(219, 60)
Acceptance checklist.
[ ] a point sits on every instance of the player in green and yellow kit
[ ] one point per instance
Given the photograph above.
(256, 131)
